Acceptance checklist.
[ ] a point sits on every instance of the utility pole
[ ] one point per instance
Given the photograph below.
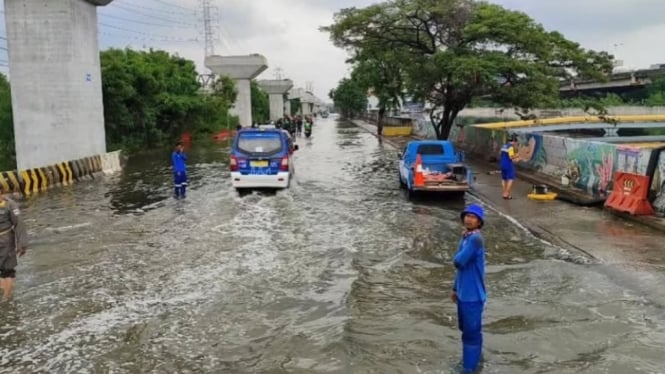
(278, 73)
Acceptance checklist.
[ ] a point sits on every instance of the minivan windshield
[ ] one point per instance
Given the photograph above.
(266, 143)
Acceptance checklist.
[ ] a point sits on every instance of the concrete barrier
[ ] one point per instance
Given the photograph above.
(32, 181)
(110, 162)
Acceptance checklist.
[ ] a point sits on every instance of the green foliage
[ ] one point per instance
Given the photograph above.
(379, 71)
(296, 105)
(350, 98)
(452, 51)
(7, 153)
(656, 92)
(260, 104)
(151, 97)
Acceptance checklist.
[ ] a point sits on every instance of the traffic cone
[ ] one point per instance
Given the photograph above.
(418, 176)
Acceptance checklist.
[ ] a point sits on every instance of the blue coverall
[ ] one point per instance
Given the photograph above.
(471, 296)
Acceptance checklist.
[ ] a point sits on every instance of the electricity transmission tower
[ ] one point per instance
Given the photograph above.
(278, 73)
(209, 38)
(208, 34)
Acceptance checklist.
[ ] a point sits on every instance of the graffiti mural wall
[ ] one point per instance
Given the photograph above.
(658, 184)
(589, 165)
(480, 142)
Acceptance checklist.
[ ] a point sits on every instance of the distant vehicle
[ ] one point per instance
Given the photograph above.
(433, 166)
(324, 115)
(262, 158)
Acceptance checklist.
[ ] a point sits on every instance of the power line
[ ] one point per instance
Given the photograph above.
(141, 33)
(146, 23)
(174, 12)
(134, 11)
(173, 5)
(148, 38)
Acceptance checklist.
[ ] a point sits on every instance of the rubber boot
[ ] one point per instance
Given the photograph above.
(471, 357)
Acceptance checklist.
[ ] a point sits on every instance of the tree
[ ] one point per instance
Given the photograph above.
(148, 96)
(225, 89)
(379, 71)
(296, 105)
(260, 104)
(656, 92)
(349, 98)
(152, 96)
(452, 51)
(7, 149)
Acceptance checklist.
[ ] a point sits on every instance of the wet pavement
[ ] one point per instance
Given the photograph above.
(339, 274)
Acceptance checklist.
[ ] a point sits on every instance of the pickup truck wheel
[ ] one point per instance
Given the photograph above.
(410, 194)
(457, 194)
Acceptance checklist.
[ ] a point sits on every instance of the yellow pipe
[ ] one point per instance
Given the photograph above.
(566, 120)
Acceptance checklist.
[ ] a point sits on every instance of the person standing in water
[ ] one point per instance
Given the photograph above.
(178, 158)
(469, 287)
(13, 244)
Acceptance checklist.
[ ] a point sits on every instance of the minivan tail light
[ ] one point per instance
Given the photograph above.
(284, 165)
(234, 163)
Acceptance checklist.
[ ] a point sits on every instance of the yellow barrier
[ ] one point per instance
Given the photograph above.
(651, 145)
(602, 121)
(63, 173)
(397, 131)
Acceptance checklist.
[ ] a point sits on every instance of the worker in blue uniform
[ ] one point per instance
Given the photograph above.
(178, 158)
(509, 156)
(469, 286)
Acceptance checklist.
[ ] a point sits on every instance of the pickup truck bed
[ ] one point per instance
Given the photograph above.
(453, 179)
(442, 167)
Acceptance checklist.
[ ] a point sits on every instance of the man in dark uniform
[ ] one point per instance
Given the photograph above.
(13, 243)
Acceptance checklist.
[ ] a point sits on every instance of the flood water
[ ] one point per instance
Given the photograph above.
(338, 274)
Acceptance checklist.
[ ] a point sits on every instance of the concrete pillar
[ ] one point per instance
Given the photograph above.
(242, 69)
(243, 105)
(55, 80)
(304, 108)
(276, 90)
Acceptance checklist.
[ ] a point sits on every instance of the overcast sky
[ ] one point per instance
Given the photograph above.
(286, 31)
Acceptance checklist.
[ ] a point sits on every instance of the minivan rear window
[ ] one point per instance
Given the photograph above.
(430, 149)
(265, 143)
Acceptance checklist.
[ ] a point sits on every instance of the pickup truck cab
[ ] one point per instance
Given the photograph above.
(262, 158)
(441, 168)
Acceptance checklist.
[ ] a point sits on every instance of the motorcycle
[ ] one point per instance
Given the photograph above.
(308, 130)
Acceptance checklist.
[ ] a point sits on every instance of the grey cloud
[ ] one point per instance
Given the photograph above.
(331, 5)
(592, 17)
(242, 22)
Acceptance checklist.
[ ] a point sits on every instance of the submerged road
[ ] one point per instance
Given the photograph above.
(338, 274)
